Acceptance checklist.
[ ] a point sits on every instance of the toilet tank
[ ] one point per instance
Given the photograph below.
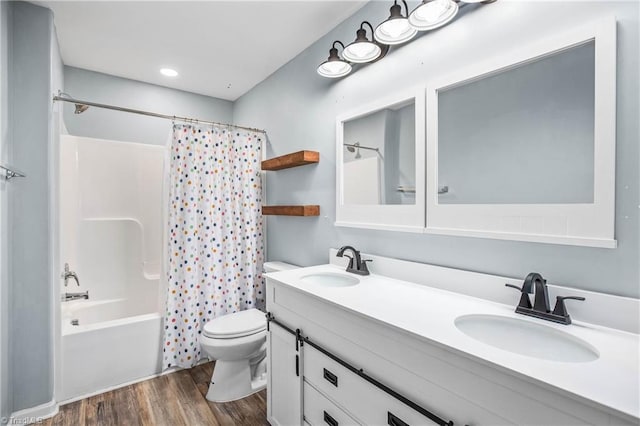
(278, 266)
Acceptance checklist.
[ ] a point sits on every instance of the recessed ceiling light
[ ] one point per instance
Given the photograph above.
(168, 72)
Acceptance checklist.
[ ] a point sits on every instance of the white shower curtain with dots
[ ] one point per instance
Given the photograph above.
(215, 243)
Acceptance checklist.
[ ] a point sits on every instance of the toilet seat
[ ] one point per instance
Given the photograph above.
(239, 324)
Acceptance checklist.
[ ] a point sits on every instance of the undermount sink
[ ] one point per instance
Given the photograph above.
(330, 279)
(526, 338)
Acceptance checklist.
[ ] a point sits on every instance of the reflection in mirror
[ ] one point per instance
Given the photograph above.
(524, 135)
(379, 157)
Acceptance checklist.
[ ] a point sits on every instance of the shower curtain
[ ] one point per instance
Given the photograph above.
(215, 244)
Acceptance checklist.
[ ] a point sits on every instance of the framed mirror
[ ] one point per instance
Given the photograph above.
(380, 167)
(522, 146)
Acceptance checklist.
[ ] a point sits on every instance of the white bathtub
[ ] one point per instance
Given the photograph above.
(113, 345)
(111, 236)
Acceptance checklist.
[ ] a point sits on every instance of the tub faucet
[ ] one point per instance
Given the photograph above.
(357, 265)
(67, 297)
(69, 274)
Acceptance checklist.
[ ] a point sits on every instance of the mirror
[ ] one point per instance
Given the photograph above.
(521, 146)
(380, 149)
(523, 135)
(378, 157)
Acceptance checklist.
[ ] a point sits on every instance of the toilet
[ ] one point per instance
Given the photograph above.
(238, 344)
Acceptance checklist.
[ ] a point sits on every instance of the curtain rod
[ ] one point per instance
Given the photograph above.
(150, 114)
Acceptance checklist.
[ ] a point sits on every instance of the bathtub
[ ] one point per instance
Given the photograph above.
(114, 343)
(111, 236)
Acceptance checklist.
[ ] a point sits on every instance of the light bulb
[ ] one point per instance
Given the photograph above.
(334, 69)
(361, 52)
(395, 31)
(433, 14)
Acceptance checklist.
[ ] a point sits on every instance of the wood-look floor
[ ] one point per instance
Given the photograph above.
(174, 399)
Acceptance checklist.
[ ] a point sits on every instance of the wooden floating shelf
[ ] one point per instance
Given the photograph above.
(295, 159)
(309, 210)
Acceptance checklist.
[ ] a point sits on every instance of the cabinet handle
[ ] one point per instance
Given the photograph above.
(297, 366)
(393, 420)
(330, 420)
(330, 377)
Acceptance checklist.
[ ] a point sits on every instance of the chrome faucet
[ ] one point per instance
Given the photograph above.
(540, 307)
(67, 297)
(357, 265)
(69, 274)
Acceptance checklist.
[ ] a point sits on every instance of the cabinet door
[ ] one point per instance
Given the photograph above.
(284, 385)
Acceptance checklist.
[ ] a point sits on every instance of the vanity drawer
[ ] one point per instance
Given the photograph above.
(319, 411)
(369, 404)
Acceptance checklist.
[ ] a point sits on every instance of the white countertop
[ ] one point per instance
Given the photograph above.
(613, 380)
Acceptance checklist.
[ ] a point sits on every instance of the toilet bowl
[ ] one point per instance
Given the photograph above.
(238, 344)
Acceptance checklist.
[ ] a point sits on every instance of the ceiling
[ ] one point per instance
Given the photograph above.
(219, 48)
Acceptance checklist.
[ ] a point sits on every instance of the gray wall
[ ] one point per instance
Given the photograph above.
(114, 125)
(5, 241)
(32, 146)
(298, 108)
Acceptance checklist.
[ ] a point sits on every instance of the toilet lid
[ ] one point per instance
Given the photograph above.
(243, 323)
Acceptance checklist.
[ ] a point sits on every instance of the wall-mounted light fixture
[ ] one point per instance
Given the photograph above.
(396, 29)
(334, 66)
(363, 50)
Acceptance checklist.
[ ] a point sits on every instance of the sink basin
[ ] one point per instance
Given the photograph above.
(330, 279)
(526, 338)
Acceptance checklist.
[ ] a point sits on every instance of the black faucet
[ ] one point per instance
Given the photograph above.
(357, 265)
(541, 300)
(540, 307)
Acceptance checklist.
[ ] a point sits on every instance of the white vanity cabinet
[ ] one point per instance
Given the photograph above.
(331, 388)
(421, 382)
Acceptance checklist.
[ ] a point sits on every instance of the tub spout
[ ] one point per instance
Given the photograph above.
(66, 297)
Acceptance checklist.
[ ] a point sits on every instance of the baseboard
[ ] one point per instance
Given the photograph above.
(34, 414)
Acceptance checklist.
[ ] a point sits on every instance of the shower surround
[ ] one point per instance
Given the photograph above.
(111, 236)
